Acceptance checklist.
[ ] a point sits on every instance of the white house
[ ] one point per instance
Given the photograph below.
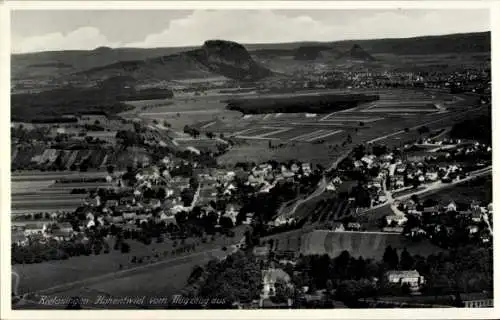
(269, 279)
(399, 183)
(473, 229)
(306, 167)
(400, 220)
(330, 187)
(451, 207)
(34, 229)
(90, 223)
(337, 180)
(410, 277)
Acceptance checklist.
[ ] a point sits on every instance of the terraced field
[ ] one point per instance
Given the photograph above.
(38, 192)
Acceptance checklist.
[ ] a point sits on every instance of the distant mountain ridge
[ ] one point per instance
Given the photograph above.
(227, 58)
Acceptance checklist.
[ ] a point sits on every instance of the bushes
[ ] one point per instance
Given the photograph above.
(124, 247)
(37, 252)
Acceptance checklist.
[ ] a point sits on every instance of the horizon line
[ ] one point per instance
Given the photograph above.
(253, 43)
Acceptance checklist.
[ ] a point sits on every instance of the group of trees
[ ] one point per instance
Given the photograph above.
(36, 252)
(191, 131)
(462, 270)
(130, 138)
(236, 279)
(478, 128)
(297, 104)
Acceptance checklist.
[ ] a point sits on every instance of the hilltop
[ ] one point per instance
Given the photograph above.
(214, 57)
(357, 53)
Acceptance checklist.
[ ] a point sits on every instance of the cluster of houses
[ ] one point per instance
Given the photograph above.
(220, 184)
(472, 212)
(265, 177)
(42, 232)
(468, 80)
(398, 173)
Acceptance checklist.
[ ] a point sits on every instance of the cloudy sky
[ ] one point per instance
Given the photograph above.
(34, 31)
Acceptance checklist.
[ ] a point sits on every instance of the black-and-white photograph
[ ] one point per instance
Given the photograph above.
(251, 159)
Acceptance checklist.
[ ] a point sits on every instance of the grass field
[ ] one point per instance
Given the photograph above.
(370, 219)
(477, 189)
(365, 244)
(82, 267)
(258, 151)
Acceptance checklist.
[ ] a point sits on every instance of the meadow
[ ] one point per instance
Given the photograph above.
(63, 273)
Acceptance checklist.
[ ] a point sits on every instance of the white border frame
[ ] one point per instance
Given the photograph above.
(7, 313)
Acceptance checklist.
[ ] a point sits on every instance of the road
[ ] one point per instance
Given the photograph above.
(431, 188)
(319, 190)
(438, 185)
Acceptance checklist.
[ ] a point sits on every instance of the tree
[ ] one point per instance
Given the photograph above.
(391, 257)
(349, 138)
(423, 129)
(125, 247)
(407, 262)
(415, 198)
(226, 223)
(161, 193)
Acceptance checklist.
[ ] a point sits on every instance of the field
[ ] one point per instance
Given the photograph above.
(41, 157)
(92, 276)
(476, 189)
(259, 151)
(312, 137)
(365, 244)
(370, 220)
(409, 109)
(39, 191)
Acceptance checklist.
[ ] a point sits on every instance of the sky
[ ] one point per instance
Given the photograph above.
(49, 30)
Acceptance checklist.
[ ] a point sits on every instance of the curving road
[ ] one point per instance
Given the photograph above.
(319, 190)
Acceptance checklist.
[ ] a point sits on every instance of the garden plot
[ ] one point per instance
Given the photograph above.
(201, 144)
(292, 133)
(350, 118)
(315, 135)
(323, 135)
(401, 110)
(261, 132)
